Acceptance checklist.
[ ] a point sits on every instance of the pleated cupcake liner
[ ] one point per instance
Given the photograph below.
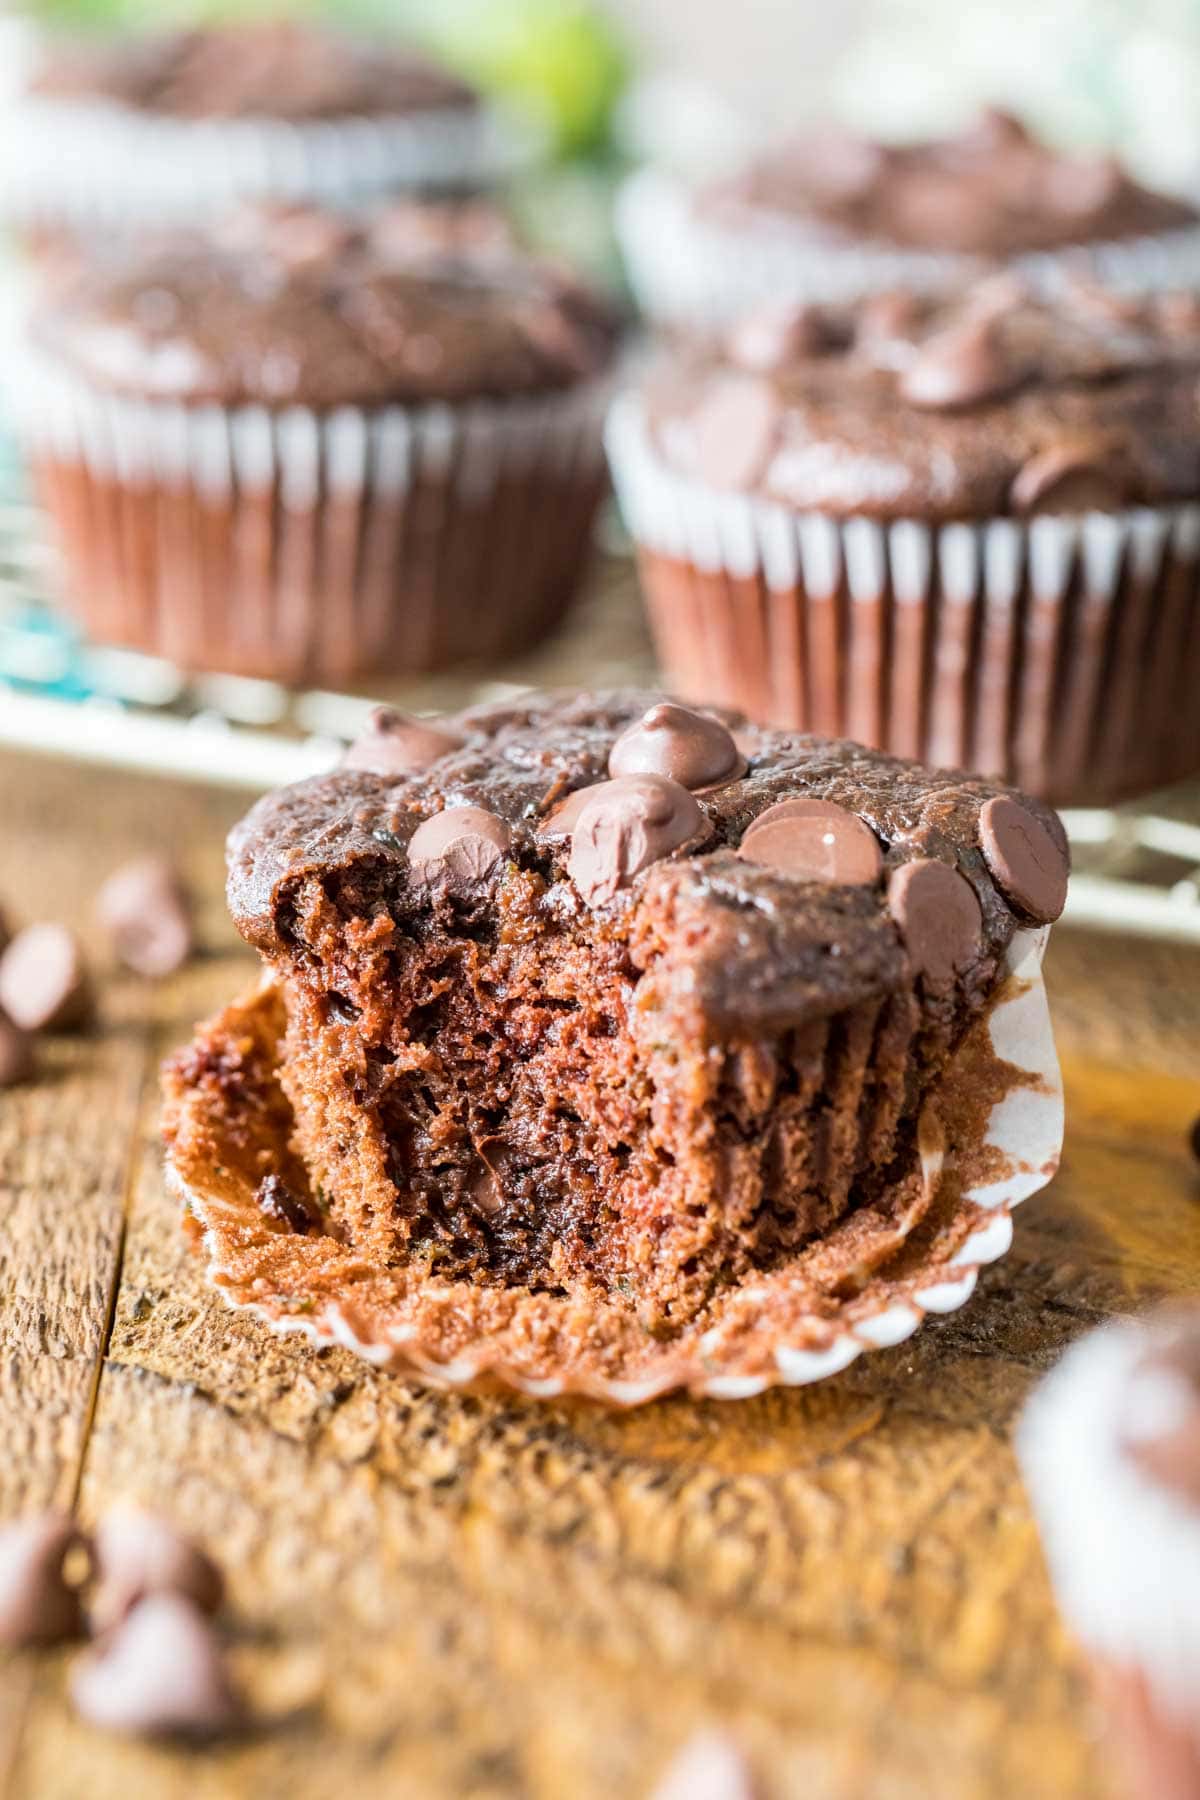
(783, 1326)
(696, 271)
(315, 546)
(1061, 653)
(100, 167)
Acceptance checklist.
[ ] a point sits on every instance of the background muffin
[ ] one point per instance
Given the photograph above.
(834, 215)
(303, 447)
(962, 530)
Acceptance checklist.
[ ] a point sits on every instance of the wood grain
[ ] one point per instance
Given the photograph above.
(439, 1595)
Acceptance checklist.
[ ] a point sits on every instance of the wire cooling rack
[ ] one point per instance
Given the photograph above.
(1137, 867)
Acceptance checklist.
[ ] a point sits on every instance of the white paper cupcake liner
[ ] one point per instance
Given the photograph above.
(414, 1324)
(95, 168)
(1124, 1553)
(692, 270)
(1062, 653)
(315, 546)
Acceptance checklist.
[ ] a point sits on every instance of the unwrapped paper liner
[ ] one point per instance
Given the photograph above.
(746, 1341)
(701, 271)
(1058, 652)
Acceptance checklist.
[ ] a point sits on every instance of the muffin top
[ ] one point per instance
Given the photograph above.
(262, 69)
(993, 191)
(988, 403)
(275, 306)
(782, 877)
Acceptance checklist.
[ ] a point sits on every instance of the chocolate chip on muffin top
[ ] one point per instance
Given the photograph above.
(990, 402)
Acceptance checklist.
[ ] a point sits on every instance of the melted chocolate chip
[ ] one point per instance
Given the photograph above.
(733, 431)
(1072, 476)
(1028, 867)
(814, 840)
(43, 981)
(139, 1553)
(959, 367)
(560, 822)
(938, 916)
(37, 1604)
(395, 745)
(685, 746)
(628, 824)
(464, 843)
(277, 1201)
(160, 1672)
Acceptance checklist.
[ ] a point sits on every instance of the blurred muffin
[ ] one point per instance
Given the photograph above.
(309, 448)
(963, 530)
(1110, 1447)
(174, 126)
(832, 216)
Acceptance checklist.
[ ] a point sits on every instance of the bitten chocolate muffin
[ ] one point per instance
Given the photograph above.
(962, 529)
(832, 216)
(308, 446)
(601, 996)
(166, 127)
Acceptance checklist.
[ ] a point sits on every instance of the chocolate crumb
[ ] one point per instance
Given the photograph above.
(278, 1202)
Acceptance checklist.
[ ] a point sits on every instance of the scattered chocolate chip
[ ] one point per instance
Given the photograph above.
(139, 1553)
(160, 1672)
(709, 1767)
(277, 1201)
(733, 431)
(16, 1053)
(1072, 476)
(959, 367)
(463, 842)
(772, 336)
(814, 840)
(683, 745)
(144, 908)
(43, 980)
(628, 824)
(395, 745)
(1027, 865)
(938, 916)
(37, 1604)
(889, 316)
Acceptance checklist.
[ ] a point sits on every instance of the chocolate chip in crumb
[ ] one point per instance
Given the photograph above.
(16, 1053)
(137, 1553)
(160, 1672)
(772, 336)
(628, 824)
(44, 984)
(685, 746)
(938, 916)
(814, 840)
(1027, 865)
(466, 843)
(1072, 476)
(393, 744)
(278, 1201)
(38, 1606)
(733, 431)
(960, 367)
(144, 908)
(561, 820)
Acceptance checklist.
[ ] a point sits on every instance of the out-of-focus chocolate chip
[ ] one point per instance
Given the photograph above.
(37, 1604)
(959, 367)
(139, 1553)
(1079, 186)
(160, 1672)
(1072, 476)
(277, 1201)
(888, 317)
(814, 840)
(709, 1767)
(44, 984)
(772, 336)
(685, 746)
(1028, 866)
(16, 1053)
(938, 916)
(1179, 314)
(733, 431)
(465, 843)
(145, 910)
(392, 744)
(839, 163)
(628, 824)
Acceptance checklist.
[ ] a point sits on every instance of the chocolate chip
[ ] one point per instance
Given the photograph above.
(683, 745)
(938, 916)
(841, 164)
(733, 431)
(275, 1200)
(561, 820)
(1029, 868)
(144, 908)
(43, 981)
(37, 1604)
(139, 1553)
(1073, 476)
(772, 336)
(709, 1767)
(628, 824)
(1080, 186)
(963, 366)
(889, 316)
(814, 840)
(395, 745)
(16, 1053)
(158, 1673)
(465, 843)
(304, 236)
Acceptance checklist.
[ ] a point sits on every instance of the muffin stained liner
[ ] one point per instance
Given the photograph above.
(305, 546)
(700, 272)
(867, 1284)
(97, 168)
(1060, 653)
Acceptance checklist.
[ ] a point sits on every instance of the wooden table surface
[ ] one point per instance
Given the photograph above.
(444, 1596)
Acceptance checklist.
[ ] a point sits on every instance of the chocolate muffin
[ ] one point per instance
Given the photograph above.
(308, 447)
(963, 529)
(615, 1003)
(167, 127)
(832, 216)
